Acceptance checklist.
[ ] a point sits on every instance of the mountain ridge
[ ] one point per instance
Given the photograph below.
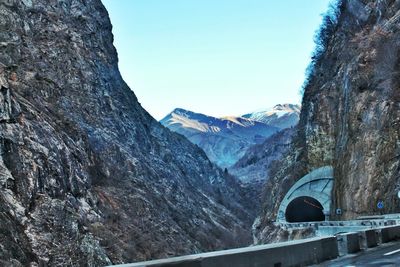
(281, 115)
(226, 139)
(255, 164)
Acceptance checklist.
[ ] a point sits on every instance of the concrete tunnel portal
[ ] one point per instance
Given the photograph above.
(304, 209)
(309, 199)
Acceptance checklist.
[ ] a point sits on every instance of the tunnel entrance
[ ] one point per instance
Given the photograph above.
(304, 209)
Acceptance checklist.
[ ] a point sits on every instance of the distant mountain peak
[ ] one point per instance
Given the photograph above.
(181, 111)
(281, 115)
(223, 139)
(292, 107)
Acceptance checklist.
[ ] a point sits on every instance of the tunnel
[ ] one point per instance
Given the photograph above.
(304, 209)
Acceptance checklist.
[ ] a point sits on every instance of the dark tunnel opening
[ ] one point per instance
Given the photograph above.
(304, 209)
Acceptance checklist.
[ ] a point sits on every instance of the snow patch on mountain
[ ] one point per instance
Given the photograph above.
(281, 116)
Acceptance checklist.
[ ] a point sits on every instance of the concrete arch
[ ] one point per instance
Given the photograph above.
(317, 184)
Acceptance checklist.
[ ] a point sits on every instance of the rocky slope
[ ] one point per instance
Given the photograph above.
(87, 177)
(350, 116)
(281, 116)
(258, 159)
(254, 167)
(225, 140)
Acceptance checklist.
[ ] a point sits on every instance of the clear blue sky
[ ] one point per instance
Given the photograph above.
(218, 57)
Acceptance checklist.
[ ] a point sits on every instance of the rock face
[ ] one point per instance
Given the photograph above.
(282, 116)
(225, 140)
(350, 115)
(258, 159)
(87, 176)
(253, 168)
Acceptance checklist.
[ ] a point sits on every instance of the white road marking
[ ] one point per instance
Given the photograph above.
(392, 252)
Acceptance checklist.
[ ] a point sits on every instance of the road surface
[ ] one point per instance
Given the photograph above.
(384, 255)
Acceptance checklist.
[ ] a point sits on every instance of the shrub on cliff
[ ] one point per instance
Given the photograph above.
(322, 37)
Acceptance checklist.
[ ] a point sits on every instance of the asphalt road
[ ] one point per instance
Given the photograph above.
(384, 255)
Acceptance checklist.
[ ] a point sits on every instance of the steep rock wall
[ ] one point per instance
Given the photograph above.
(349, 118)
(87, 176)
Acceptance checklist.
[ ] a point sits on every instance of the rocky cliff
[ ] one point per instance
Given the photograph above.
(87, 176)
(259, 160)
(350, 115)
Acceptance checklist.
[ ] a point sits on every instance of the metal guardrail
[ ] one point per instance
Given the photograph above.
(373, 221)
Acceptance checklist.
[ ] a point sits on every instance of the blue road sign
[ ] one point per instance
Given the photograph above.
(380, 205)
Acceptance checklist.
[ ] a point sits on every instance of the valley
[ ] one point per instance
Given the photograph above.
(226, 140)
(88, 177)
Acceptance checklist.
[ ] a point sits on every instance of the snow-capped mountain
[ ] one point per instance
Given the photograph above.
(225, 140)
(281, 116)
